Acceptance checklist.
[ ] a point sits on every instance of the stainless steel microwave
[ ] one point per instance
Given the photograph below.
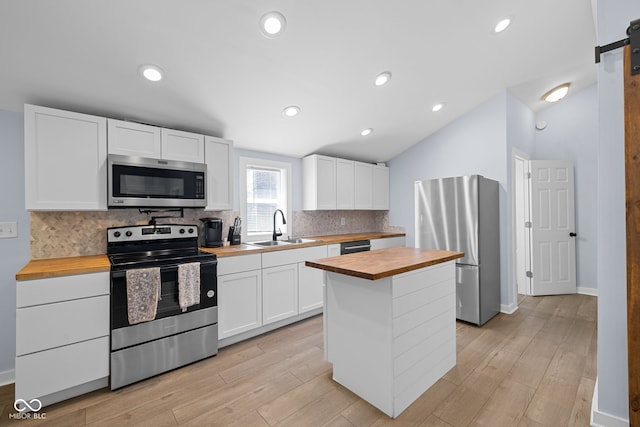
(144, 182)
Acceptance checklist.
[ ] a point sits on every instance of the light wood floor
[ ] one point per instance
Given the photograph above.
(536, 367)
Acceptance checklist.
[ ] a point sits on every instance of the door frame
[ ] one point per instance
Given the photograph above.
(520, 185)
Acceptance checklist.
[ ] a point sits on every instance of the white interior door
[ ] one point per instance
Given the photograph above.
(553, 254)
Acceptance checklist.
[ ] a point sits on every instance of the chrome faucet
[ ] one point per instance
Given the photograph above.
(278, 233)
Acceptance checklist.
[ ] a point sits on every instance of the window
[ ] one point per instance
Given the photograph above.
(265, 187)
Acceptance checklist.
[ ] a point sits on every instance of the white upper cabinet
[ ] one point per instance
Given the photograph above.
(363, 182)
(330, 183)
(65, 160)
(319, 182)
(183, 146)
(218, 155)
(345, 192)
(380, 191)
(136, 139)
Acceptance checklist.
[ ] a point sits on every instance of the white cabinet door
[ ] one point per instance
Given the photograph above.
(182, 146)
(380, 190)
(218, 155)
(319, 182)
(345, 192)
(333, 250)
(134, 139)
(310, 288)
(363, 181)
(65, 160)
(279, 293)
(239, 302)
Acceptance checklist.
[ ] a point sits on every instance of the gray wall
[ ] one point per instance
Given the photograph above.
(613, 17)
(14, 253)
(572, 134)
(474, 144)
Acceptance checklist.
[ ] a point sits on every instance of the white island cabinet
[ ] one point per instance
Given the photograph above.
(65, 160)
(62, 336)
(390, 322)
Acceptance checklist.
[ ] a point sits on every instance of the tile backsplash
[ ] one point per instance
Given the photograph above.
(64, 234)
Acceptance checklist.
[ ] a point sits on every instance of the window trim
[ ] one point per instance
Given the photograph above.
(272, 164)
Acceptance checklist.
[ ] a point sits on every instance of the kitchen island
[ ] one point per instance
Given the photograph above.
(389, 318)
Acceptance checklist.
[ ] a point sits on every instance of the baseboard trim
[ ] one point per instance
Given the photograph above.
(601, 419)
(7, 377)
(509, 309)
(588, 291)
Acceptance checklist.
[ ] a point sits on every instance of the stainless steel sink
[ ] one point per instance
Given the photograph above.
(291, 241)
(299, 240)
(270, 243)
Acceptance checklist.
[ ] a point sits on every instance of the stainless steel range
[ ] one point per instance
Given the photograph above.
(164, 310)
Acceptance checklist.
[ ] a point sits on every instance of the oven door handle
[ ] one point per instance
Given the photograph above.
(116, 274)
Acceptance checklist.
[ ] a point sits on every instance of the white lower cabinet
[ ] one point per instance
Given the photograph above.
(279, 293)
(239, 294)
(310, 283)
(62, 337)
(387, 242)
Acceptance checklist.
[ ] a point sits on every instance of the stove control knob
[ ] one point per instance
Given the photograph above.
(128, 233)
(182, 231)
(210, 293)
(191, 231)
(116, 234)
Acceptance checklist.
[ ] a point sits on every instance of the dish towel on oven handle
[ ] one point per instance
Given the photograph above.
(188, 284)
(143, 288)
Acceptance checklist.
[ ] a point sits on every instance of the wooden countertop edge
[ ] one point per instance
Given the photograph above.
(56, 267)
(68, 266)
(387, 273)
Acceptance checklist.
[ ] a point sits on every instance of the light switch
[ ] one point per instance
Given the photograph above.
(8, 230)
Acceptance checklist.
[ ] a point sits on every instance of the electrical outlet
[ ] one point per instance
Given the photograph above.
(8, 230)
(342, 221)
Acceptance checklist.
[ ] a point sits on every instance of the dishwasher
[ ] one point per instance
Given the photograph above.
(347, 248)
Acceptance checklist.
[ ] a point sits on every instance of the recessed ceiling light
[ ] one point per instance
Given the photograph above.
(557, 93)
(437, 107)
(272, 24)
(502, 25)
(291, 111)
(151, 72)
(366, 131)
(383, 78)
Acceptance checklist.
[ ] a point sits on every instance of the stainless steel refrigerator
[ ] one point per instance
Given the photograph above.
(463, 214)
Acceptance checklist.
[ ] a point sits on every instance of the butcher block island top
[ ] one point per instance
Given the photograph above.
(381, 263)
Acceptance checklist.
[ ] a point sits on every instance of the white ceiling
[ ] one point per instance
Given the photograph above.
(224, 78)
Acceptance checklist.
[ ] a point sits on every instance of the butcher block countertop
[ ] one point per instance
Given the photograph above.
(383, 263)
(53, 267)
(244, 248)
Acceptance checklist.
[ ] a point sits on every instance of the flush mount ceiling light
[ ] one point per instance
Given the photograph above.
(291, 111)
(272, 24)
(439, 106)
(150, 72)
(366, 132)
(557, 93)
(502, 25)
(383, 78)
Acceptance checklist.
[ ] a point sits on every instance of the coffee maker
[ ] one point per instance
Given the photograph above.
(212, 232)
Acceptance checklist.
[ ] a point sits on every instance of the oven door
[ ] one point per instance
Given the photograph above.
(168, 305)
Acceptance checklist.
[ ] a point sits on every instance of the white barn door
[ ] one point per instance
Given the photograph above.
(553, 251)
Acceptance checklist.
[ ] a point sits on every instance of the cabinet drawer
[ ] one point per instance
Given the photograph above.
(46, 372)
(56, 289)
(293, 256)
(53, 325)
(237, 264)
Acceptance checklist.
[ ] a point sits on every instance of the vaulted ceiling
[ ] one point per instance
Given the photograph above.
(223, 77)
